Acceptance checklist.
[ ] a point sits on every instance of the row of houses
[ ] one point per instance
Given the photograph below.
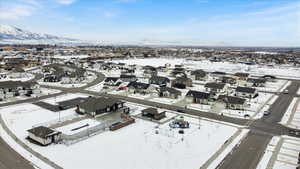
(9, 89)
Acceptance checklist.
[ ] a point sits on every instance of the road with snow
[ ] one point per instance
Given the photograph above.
(245, 155)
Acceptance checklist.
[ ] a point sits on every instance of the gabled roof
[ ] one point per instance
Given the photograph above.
(245, 89)
(253, 80)
(231, 99)
(170, 90)
(109, 79)
(138, 85)
(215, 85)
(159, 79)
(198, 94)
(199, 72)
(240, 74)
(98, 103)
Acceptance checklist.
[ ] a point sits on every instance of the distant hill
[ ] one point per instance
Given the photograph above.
(14, 35)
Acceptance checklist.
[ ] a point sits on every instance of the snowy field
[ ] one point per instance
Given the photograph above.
(285, 71)
(277, 86)
(70, 56)
(146, 149)
(64, 97)
(285, 150)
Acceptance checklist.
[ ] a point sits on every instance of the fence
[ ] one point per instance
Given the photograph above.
(82, 135)
(56, 121)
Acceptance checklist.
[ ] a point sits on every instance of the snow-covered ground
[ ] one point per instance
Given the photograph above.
(64, 97)
(139, 148)
(96, 88)
(69, 56)
(277, 86)
(69, 129)
(18, 77)
(166, 100)
(44, 91)
(285, 71)
(285, 150)
(291, 117)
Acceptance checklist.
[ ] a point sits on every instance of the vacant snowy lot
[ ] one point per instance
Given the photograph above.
(134, 147)
(286, 71)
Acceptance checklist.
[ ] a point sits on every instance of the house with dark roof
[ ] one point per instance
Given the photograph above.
(154, 113)
(149, 71)
(214, 87)
(98, 105)
(194, 96)
(241, 76)
(199, 74)
(169, 92)
(231, 102)
(182, 82)
(245, 92)
(228, 80)
(112, 81)
(44, 135)
(254, 82)
(217, 74)
(160, 81)
(141, 88)
(128, 78)
(10, 89)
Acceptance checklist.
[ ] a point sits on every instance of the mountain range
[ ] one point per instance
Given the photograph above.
(13, 35)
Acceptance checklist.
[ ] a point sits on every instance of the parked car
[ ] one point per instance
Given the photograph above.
(266, 113)
(286, 91)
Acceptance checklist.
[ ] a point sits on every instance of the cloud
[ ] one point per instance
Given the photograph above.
(65, 2)
(15, 12)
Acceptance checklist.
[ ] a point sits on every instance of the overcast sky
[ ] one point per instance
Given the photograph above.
(210, 22)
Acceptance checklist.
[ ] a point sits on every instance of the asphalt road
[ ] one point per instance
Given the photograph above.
(248, 154)
(9, 159)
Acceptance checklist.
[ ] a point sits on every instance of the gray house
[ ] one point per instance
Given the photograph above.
(198, 97)
(231, 102)
(169, 92)
(199, 75)
(245, 92)
(96, 106)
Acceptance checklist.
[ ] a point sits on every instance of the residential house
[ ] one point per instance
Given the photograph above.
(228, 80)
(182, 82)
(246, 92)
(112, 81)
(154, 113)
(214, 87)
(253, 82)
(10, 89)
(98, 105)
(141, 88)
(241, 76)
(44, 135)
(159, 80)
(149, 71)
(199, 75)
(169, 92)
(193, 96)
(231, 102)
(128, 78)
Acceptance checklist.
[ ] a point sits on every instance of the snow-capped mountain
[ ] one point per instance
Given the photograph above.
(14, 35)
